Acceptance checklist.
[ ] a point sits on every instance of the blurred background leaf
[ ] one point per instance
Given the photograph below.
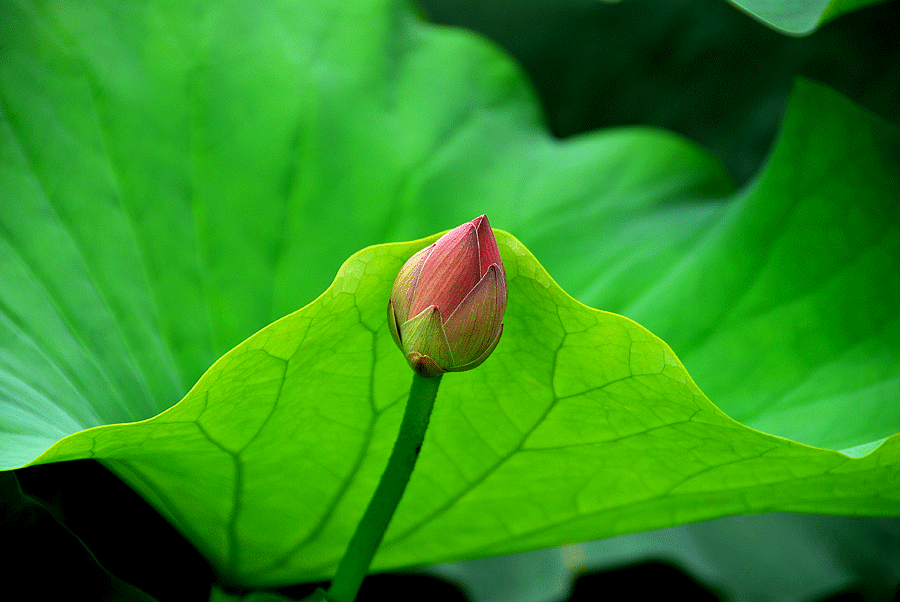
(696, 67)
(799, 16)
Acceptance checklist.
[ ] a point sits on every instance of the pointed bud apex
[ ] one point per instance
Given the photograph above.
(446, 307)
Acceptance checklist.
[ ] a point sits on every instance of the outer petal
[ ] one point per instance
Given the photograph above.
(487, 245)
(450, 271)
(404, 289)
(475, 323)
(424, 335)
(394, 325)
(480, 359)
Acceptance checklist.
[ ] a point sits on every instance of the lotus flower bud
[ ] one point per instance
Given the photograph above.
(447, 304)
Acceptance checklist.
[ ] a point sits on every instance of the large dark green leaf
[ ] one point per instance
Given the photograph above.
(782, 303)
(176, 177)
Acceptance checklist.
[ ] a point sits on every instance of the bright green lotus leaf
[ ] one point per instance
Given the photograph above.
(581, 425)
(799, 17)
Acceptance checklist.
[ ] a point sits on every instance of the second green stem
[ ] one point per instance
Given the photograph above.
(355, 563)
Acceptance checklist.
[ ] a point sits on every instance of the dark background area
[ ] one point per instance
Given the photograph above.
(700, 68)
(114, 546)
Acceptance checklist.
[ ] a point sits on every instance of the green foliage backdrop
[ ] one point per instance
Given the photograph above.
(177, 176)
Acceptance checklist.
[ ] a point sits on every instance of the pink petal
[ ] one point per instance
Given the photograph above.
(480, 359)
(474, 324)
(405, 284)
(450, 271)
(487, 245)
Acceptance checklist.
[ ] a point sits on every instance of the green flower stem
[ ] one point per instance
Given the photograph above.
(355, 563)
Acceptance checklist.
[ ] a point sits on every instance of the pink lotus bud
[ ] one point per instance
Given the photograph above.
(448, 301)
